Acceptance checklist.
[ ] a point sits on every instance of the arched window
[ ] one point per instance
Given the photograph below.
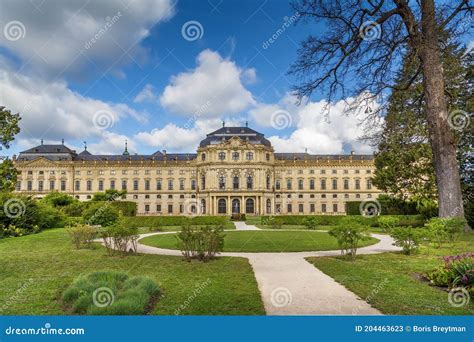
(249, 206)
(249, 182)
(221, 182)
(288, 183)
(311, 184)
(222, 206)
(300, 184)
(203, 206)
(236, 206)
(203, 157)
(203, 181)
(269, 206)
(235, 182)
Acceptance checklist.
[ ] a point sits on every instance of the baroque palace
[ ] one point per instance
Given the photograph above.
(235, 170)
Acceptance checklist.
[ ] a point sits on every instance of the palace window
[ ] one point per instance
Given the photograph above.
(182, 172)
(346, 195)
(235, 182)
(323, 184)
(312, 208)
(124, 184)
(101, 172)
(269, 206)
(346, 172)
(51, 172)
(334, 207)
(249, 206)
(193, 184)
(40, 185)
(357, 195)
(369, 184)
(203, 156)
(170, 208)
(147, 184)
(368, 171)
(112, 184)
(78, 173)
(249, 182)
(101, 185)
(323, 207)
(235, 155)
(288, 183)
(267, 156)
(124, 172)
(249, 156)
(289, 208)
(300, 184)
(158, 208)
(369, 195)
(18, 186)
(181, 184)
(346, 184)
(170, 184)
(311, 172)
(357, 184)
(112, 172)
(170, 172)
(147, 172)
(158, 184)
(334, 184)
(277, 184)
(29, 185)
(300, 207)
(311, 184)
(41, 172)
(323, 196)
(334, 172)
(203, 182)
(147, 208)
(135, 184)
(221, 206)
(63, 185)
(221, 182)
(357, 171)
(268, 182)
(300, 172)
(77, 185)
(334, 195)
(278, 208)
(323, 172)
(63, 172)
(221, 155)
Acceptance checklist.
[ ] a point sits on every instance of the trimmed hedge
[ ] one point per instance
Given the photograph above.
(157, 221)
(128, 208)
(388, 207)
(323, 220)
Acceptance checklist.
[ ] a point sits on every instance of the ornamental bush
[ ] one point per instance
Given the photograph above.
(387, 223)
(111, 293)
(408, 238)
(202, 243)
(82, 235)
(101, 213)
(446, 229)
(349, 233)
(311, 222)
(120, 238)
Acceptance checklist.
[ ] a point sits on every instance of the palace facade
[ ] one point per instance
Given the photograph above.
(235, 170)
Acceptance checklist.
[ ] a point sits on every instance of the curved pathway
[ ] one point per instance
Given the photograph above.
(290, 285)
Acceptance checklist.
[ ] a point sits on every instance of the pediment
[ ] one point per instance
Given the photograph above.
(38, 162)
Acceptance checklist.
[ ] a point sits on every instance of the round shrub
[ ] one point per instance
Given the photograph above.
(101, 213)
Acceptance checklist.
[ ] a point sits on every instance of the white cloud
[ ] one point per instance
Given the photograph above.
(52, 110)
(68, 36)
(314, 131)
(112, 143)
(214, 88)
(147, 94)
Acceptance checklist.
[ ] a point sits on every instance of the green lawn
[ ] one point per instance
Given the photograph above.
(391, 280)
(36, 269)
(263, 241)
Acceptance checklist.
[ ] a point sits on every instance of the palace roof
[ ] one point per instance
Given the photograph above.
(226, 133)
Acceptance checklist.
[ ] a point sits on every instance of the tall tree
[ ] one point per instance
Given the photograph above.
(8, 129)
(404, 165)
(365, 42)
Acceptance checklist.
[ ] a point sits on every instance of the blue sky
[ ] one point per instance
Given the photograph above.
(107, 71)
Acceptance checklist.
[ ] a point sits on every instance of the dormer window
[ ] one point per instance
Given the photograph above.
(235, 155)
(249, 156)
(221, 155)
(203, 156)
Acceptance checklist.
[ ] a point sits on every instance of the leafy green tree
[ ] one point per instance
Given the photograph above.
(101, 213)
(109, 195)
(8, 129)
(58, 199)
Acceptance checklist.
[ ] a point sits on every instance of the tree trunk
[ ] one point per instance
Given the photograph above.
(441, 135)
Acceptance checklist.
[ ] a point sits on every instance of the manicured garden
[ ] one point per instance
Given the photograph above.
(264, 241)
(396, 283)
(38, 269)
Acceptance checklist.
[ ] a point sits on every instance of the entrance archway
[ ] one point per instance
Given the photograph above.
(249, 206)
(235, 206)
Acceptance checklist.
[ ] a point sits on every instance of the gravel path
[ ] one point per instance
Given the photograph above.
(290, 285)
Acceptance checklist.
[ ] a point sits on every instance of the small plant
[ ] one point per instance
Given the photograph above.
(275, 222)
(202, 243)
(457, 270)
(120, 238)
(311, 222)
(82, 235)
(111, 293)
(348, 234)
(446, 229)
(408, 238)
(387, 223)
